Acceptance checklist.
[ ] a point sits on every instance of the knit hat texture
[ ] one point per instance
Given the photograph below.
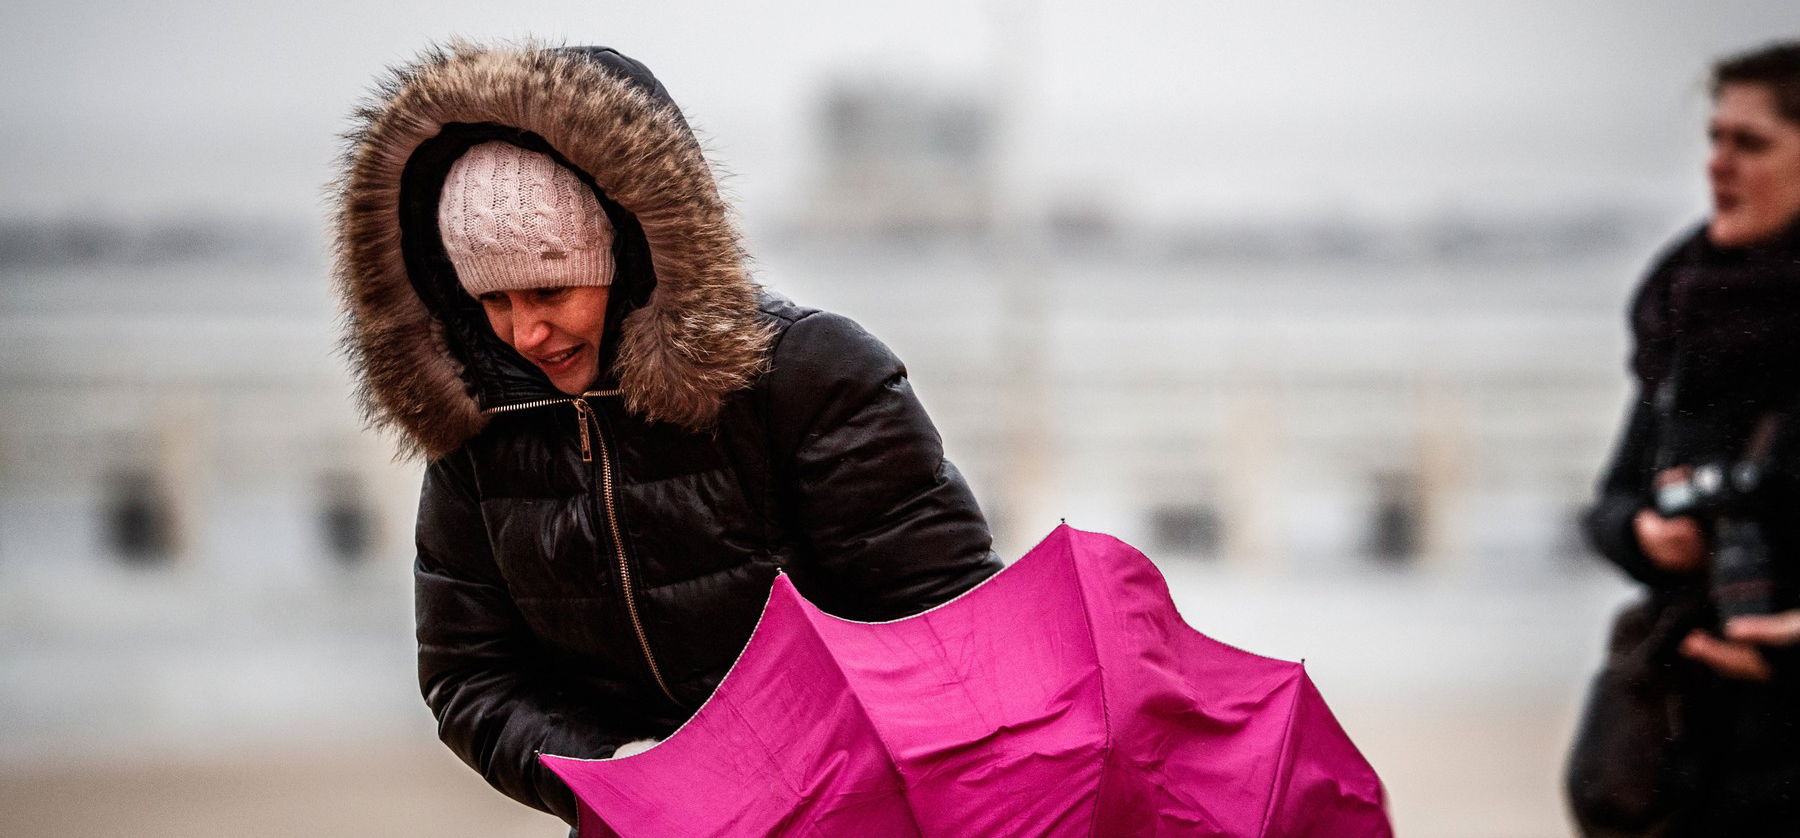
(513, 219)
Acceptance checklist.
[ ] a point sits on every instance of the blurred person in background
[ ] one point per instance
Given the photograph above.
(1694, 728)
(627, 438)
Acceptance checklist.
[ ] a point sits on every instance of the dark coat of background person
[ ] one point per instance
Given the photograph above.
(1717, 337)
(588, 569)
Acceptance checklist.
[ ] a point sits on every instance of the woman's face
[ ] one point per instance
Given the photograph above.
(1754, 168)
(558, 329)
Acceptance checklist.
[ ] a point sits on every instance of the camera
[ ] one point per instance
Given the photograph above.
(1713, 488)
(1722, 496)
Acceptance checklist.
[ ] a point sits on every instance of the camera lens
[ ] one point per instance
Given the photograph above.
(1709, 478)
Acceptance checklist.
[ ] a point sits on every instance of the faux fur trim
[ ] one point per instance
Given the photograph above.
(697, 339)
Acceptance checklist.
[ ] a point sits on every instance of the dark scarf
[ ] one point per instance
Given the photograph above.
(1723, 324)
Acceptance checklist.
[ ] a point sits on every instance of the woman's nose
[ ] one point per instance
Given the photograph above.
(530, 329)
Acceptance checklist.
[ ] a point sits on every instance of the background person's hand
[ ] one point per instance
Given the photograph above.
(1739, 661)
(1673, 544)
(1781, 629)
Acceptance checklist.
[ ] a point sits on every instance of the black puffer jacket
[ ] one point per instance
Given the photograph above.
(590, 567)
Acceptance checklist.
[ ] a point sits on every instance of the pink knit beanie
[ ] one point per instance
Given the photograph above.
(514, 219)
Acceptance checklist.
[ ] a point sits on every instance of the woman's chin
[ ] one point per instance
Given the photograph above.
(573, 386)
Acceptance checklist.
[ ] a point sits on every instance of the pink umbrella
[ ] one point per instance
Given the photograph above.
(1065, 696)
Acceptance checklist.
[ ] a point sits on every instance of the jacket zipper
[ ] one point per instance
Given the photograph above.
(585, 415)
(582, 408)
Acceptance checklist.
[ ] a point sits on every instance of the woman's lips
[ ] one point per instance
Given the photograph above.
(557, 363)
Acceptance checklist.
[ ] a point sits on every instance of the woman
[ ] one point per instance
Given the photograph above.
(627, 438)
(1717, 358)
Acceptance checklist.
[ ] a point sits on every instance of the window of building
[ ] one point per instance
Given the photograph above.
(139, 518)
(346, 522)
(1193, 530)
(1397, 520)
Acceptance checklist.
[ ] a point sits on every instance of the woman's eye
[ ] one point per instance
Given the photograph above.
(547, 294)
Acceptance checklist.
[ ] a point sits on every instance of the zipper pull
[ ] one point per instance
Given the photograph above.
(581, 415)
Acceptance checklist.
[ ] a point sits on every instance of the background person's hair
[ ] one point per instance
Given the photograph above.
(1776, 65)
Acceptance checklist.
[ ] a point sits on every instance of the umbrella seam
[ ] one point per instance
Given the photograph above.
(1087, 617)
(886, 749)
(1283, 761)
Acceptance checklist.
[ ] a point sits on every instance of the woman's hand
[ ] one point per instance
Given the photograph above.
(635, 746)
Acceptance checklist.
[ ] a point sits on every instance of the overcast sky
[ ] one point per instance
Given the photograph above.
(1173, 107)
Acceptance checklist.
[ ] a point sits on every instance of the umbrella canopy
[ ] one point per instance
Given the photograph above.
(1064, 696)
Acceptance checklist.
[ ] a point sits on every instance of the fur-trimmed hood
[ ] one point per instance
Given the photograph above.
(682, 328)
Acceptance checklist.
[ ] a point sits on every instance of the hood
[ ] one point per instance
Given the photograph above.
(682, 326)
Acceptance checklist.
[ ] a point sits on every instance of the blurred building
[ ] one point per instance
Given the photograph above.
(171, 400)
(1307, 393)
(195, 534)
(900, 161)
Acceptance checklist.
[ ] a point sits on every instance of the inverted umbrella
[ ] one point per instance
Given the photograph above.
(1064, 696)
